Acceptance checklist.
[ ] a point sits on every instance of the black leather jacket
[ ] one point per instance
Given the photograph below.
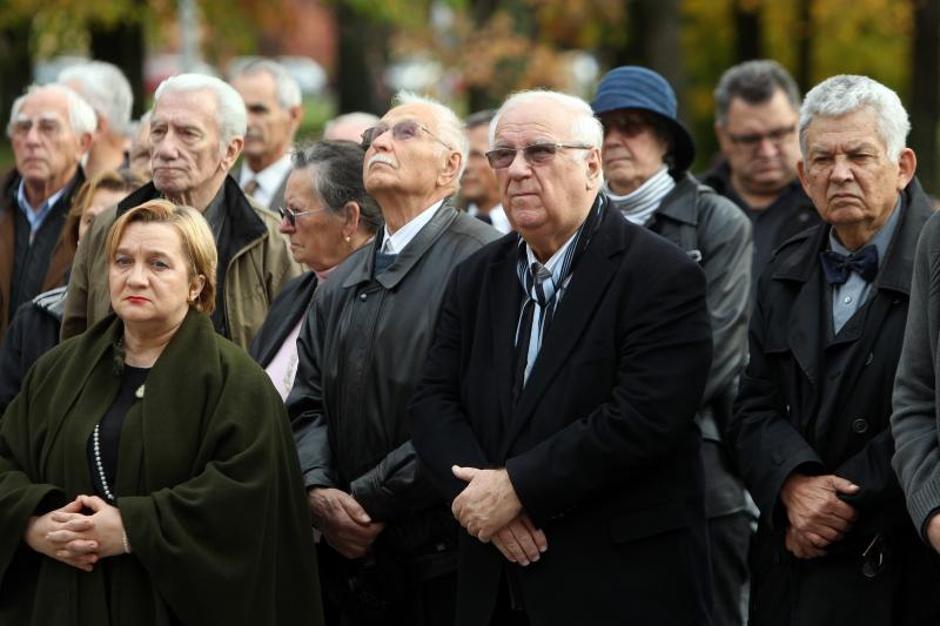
(361, 351)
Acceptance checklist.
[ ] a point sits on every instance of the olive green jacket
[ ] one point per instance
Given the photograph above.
(208, 486)
(257, 271)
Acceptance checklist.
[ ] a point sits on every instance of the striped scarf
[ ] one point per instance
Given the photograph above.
(639, 205)
(543, 287)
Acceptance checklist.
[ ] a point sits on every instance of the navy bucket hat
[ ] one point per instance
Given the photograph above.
(634, 87)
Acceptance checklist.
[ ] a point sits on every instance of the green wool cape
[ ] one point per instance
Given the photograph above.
(208, 485)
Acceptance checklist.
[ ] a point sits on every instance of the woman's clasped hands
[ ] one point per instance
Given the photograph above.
(79, 534)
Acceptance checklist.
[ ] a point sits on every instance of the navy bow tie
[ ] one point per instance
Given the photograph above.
(838, 266)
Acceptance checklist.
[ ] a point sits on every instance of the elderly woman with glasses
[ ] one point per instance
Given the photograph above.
(147, 470)
(328, 215)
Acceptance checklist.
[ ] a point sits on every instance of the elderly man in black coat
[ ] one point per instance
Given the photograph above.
(556, 410)
(835, 545)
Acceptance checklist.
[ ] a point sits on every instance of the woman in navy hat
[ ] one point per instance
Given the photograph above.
(647, 153)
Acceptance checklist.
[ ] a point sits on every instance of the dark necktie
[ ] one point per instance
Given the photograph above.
(484, 218)
(837, 267)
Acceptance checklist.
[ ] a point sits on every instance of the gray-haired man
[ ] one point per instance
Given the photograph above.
(835, 544)
(273, 100)
(197, 130)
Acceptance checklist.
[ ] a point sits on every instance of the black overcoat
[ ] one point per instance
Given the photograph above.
(815, 403)
(601, 446)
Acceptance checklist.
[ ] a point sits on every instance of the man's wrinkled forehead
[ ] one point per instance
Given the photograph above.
(44, 104)
(187, 108)
(417, 111)
(543, 119)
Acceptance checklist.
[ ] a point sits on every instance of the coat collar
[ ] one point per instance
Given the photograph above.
(408, 257)
(589, 283)
(681, 204)
(244, 222)
(798, 261)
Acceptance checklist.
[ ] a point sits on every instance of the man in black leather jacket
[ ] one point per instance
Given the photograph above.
(361, 349)
(647, 153)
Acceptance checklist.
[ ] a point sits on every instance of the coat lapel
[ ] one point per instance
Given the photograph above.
(504, 316)
(588, 285)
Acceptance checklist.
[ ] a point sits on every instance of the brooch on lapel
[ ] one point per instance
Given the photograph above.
(140, 392)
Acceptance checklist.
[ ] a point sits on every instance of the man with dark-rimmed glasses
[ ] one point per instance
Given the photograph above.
(556, 409)
(389, 555)
(756, 115)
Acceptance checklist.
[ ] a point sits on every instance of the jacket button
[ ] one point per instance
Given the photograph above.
(860, 426)
(363, 296)
(869, 358)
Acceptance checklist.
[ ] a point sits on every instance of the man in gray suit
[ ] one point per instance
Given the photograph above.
(273, 100)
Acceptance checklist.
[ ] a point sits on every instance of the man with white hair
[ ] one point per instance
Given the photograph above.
(50, 129)
(389, 551)
(106, 89)
(810, 429)
(576, 475)
(197, 130)
(349, 126)
(273, 100)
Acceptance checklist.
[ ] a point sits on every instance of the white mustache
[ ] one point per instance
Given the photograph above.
(381, 158)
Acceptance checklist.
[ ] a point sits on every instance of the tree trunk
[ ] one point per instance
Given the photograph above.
(925, 99)
(748, 32)
(16, 66)
(363, 55)
(804, 45)
(123, 45)
(478, 98)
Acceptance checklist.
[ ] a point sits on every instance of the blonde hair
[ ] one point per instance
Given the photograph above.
(124, 181)
(198, 244)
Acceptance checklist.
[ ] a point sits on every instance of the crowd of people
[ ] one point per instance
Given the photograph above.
(519, 368)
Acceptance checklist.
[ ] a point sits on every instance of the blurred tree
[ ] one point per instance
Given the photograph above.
(16, 64)
(804, 44)
(925, 98)
(363, 56)
(749, 40)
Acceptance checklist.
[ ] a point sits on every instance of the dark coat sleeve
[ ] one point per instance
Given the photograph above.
(305, 401)
(764, 443)
(20, 497)
(727, 266)
(31, 333)
(915, 421)
(664, 357)
(441, 433)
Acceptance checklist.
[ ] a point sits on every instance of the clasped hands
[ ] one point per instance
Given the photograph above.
(817, 516)
(344, 523)
(76, 538)
(490, 510)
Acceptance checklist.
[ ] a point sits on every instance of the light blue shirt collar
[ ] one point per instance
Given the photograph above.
(36, 216)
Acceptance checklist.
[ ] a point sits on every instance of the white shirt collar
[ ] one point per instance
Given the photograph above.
(395, 243)
(552, 264)
(269, 179)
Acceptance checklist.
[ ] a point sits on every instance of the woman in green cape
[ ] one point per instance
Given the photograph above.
(147, 470)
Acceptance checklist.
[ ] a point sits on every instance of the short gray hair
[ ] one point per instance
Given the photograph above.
(755, 82)
(285, 85)
(82, 118)
(231, 113)
(585, 128)
(847, 93)
(449, 127)
(106, 89)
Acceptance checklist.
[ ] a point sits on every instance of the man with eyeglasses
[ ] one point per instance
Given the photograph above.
(576, 475)
(389, 551)
(756, 115)
(50, 129)
(197, 129)
(647, 153)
